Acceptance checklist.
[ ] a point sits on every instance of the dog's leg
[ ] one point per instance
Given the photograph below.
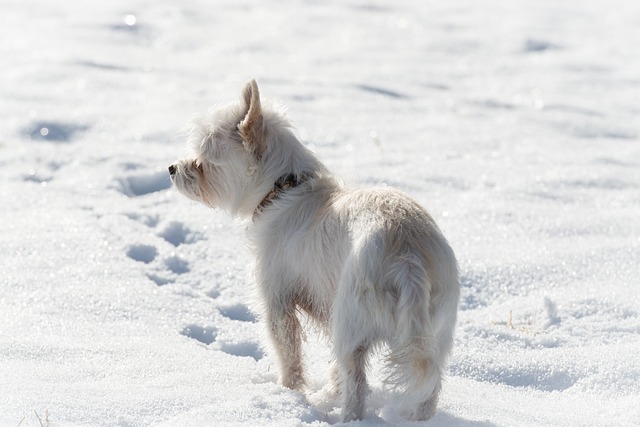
(285, 332)
(335, 380)
(427, 409)
(416, 369)
(414, 348)
(352, 339)
(354, 382)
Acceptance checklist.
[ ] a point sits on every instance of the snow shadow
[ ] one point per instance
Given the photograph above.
(443, 419)
(538, 45)
(483, 286)
(543, 378)
(102, 66)
(381, 91)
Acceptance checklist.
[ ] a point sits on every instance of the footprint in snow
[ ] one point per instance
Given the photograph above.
(56, 132)
(213, 293)
(243, 349)
(177, 264)
(205, 335)
(177, 233)
(160, 280)
(42, 172)
(142, 253)
(37, 177)
(239, 312)
(209, 334)
(538, 45)
(149, 220)
(143, 184)
(147, 254)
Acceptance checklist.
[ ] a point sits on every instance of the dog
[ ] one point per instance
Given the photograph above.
(369, 266)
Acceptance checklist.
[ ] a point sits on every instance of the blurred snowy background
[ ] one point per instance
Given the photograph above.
(516, 123)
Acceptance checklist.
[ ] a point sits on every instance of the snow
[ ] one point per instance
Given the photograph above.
(515, 123)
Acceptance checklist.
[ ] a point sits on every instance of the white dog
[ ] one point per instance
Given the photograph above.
(370, 266)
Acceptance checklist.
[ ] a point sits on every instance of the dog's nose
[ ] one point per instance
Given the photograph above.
(172, 170)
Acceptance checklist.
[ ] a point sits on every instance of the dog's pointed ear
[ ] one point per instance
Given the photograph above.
(251, 127)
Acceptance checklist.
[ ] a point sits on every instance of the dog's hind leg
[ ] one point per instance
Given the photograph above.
(353, 382)
(415, 353)
(352, 332)
(285, 332)
(416, 370)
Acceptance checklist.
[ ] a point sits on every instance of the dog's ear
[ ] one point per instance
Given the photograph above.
(251, 127)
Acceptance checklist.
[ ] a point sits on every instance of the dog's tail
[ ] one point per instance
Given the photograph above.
(415, 365)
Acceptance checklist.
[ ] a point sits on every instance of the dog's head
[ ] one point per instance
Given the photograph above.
(238, 153)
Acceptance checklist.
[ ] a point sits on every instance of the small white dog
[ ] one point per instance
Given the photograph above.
(370, 266)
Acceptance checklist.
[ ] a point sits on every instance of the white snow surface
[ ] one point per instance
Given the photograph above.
(516, 123)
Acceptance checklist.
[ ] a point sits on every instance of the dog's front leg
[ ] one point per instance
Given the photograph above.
(285, 332)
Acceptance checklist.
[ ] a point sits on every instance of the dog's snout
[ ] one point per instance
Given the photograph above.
(172, 170)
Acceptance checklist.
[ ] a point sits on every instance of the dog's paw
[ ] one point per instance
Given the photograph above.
(347, 417)
(294, 380)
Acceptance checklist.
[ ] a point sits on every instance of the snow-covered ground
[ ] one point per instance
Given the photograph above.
(516, 123)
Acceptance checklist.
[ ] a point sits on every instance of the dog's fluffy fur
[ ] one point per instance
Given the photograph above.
(370, 266)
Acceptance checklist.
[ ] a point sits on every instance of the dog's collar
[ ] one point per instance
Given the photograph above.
(284, 183)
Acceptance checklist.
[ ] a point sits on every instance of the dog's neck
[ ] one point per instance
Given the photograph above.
(284, 183)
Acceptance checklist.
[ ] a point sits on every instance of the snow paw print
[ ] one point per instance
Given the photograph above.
(42, 172)
(173, 232)
(145, 219)
(232, 346)
(242, 349)
(205, 335)
(55, 132)
(238, 312)
(176, 264)
(169, 270)
(241, 342)
(177, 234)
(143, 184)
(165, 269)
(142, 253)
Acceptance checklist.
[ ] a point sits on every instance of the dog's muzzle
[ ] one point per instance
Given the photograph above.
(172, 170)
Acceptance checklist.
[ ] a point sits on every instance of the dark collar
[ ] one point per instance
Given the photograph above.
(284, 183)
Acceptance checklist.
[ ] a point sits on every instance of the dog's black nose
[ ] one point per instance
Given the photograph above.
(172, 170)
